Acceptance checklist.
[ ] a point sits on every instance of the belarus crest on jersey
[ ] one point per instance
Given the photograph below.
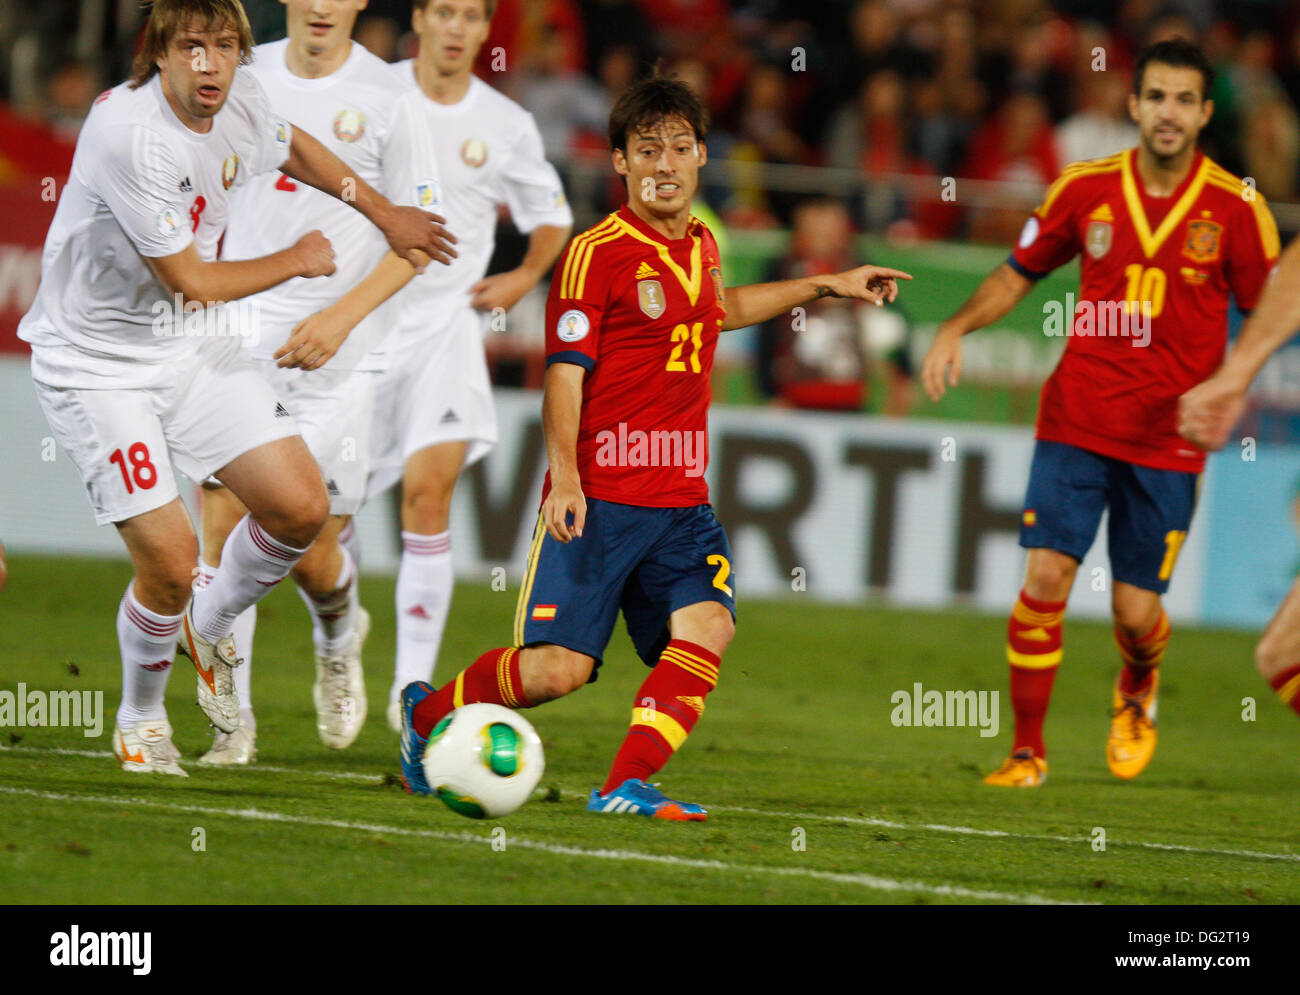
(427, 195)
(1202, 243)
(1098, 239)
(650, 295)
(349, 125)
(474, 152)
(229, 171)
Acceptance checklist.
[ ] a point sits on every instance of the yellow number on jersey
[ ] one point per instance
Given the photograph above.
(1146, 284)
(681, 335)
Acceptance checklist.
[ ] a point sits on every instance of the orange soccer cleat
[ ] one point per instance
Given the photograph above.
(1132, 731)
(1021, 770)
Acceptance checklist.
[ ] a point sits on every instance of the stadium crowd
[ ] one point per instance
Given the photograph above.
(986, 90)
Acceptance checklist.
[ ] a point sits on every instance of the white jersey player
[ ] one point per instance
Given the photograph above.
(128, 269)
(434, 414)
(341, 92)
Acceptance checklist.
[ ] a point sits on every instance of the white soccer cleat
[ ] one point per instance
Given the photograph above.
(232, 749)
(215, 663)
(147, 748)
(340, 695)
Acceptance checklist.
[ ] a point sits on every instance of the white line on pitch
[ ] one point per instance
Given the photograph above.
(934, 827)
(864, 880)
(340, 775)
(851, 820)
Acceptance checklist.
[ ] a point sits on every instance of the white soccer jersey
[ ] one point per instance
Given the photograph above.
(489, 152)
(141, 184)
(349, 112)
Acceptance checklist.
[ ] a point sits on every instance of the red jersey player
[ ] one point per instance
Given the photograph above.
(1207, 413)
(1165, 236)
(635, 309)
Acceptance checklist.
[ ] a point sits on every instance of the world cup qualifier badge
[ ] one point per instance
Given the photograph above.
(427, 195)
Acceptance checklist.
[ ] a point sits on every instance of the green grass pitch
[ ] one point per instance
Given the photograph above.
(814, 795)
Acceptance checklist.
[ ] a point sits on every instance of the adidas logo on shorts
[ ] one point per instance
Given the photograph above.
(450, 418)
(332, 488)
(281, 411)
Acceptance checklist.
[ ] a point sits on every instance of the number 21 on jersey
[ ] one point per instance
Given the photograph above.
(681, 337)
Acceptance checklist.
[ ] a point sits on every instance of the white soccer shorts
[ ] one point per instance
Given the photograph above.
(436, 390)
(216, 407)
(334, 410)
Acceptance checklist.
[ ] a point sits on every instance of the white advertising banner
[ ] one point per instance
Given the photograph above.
(830, 507)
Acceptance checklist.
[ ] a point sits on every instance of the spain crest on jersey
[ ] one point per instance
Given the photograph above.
(349, 125)
(1202, 243)
(1099, 238)
(229, 171)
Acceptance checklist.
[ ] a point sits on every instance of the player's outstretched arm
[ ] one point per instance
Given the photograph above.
(561, 415)
(760, 302)
(316, 338)
(1207, 412)
(407, 229)
(1000, 292)
(194, 278)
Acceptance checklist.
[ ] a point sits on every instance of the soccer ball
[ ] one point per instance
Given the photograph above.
(484, 761)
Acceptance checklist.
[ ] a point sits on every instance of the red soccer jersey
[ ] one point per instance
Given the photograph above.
(641, 314)
(1111, 393)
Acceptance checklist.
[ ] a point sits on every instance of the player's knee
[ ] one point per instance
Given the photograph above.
(299, 522)
(1050, 579)
(1134, 621)
(167, 589)
(559, 671)
(572, 673)
(719, 630)
(426, 508)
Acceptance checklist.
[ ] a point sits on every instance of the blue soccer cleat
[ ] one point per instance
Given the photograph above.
(635, 797)
(413, 743)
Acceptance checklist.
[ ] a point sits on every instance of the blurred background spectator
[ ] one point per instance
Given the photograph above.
(820, 356)
(891, 94)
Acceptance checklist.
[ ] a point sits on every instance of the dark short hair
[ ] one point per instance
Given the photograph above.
(652, 99)
(1177, 52)
(489, 6)
(168, 17)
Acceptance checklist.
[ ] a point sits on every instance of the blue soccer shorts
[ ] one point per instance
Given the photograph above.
(1150, 511)
(646, 562)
